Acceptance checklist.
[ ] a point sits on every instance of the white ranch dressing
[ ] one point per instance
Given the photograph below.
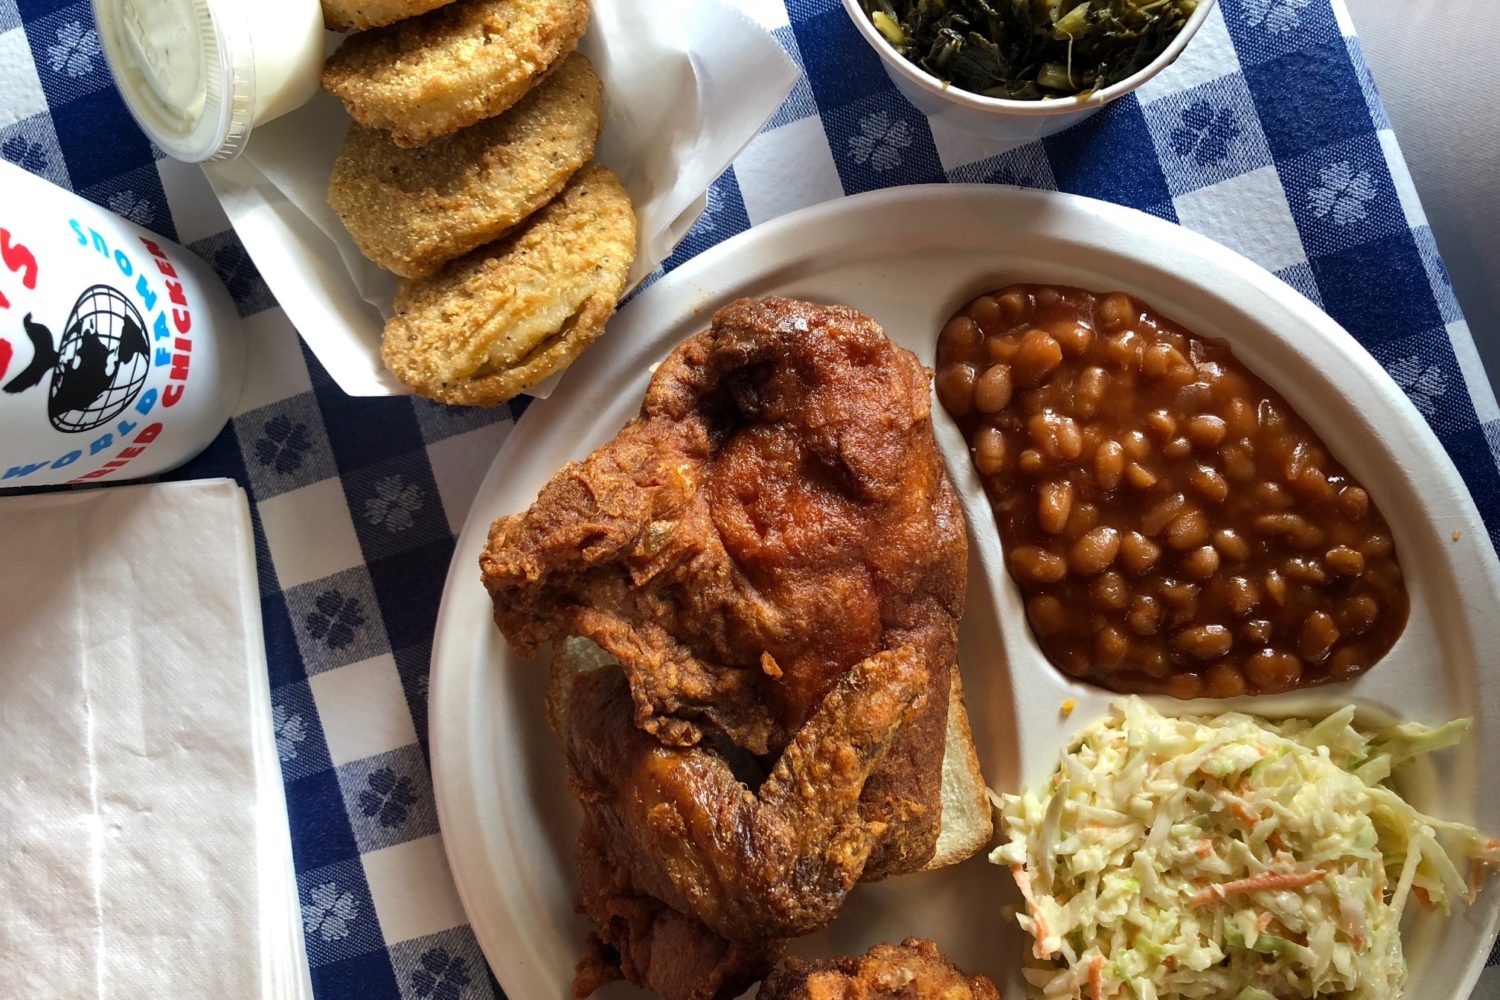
(198, 75)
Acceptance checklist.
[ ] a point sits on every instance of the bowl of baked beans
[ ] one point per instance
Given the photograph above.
(1174, 526)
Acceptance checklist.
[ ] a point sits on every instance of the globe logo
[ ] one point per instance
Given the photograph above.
(98, 368)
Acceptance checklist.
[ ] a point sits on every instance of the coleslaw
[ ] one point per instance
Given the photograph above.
(1230, 858)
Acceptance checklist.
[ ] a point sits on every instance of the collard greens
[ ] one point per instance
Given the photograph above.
(1030, 49)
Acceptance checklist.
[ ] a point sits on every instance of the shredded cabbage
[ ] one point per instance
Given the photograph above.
(1229, 858)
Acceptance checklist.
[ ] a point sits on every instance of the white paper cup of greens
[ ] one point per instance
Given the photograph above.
(998, 117)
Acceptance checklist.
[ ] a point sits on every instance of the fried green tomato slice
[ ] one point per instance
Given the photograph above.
(413, 210)
(499, 320)
(464, 62)
(361, 15)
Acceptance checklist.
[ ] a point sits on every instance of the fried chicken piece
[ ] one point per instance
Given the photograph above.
(464, 62)
(775, 862)
(413, 210)
(914, 970)
(497, 321)
(778, 513)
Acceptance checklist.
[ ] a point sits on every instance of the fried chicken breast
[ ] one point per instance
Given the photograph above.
(912, 970)
(463, 62)
(413, 210)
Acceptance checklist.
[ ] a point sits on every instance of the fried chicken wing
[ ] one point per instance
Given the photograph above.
(774, 862)
(913, 970)
(778, 513)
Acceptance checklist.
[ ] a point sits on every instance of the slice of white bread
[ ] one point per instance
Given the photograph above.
(966, 823)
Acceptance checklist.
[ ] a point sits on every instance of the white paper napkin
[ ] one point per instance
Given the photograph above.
(687, 85)
(144, 847)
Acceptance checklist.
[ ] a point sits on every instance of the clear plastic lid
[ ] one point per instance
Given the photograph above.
(197, 75)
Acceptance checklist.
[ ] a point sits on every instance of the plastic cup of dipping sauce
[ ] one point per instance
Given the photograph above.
(198, 75)
(121, 353)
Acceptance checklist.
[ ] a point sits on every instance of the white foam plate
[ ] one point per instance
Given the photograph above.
(910, 257)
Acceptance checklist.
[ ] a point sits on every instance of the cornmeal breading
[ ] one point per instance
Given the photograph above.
(461, 63)
(360, 15)
(413, 210)
(494, 323)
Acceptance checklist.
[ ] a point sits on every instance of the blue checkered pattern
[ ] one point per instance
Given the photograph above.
(1268, 134)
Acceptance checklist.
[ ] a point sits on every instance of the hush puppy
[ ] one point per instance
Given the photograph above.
(359, 15)
(413, 210)
(432, 75)
(497, 321)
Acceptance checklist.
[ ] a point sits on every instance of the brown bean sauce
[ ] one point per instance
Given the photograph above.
(1173, 525)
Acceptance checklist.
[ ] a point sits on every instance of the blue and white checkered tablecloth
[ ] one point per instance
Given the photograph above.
(1267, 135)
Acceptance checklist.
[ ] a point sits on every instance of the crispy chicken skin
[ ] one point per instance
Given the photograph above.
(776, 514)
(688, 874)
(913, 970)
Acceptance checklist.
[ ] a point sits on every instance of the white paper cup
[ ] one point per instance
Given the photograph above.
(996, 118)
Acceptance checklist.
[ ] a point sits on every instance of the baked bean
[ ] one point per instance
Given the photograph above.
(989, 450)
(1345, 561)
(1107, 436)
(1256, 631)
(1145, 615)
(1046, 614)
(1124, 350)
(955, 388)
(1110, 646)
(1238, 462)
(988, 315)
(1242, 597)
(1158, 517)
(1203, 642)
(1138, 553)
(960, 341)
(992, 390)
(1178, 447)
(1201, 563)
(1231, 544)
(1038, 357)
(1072, 336)
(1002, 350)
(1087, 395)
(1055, 503)
(1239, 417)
(1109, 465)
(1116, 311)
(1208, 484)
(1272, 670)
(1084, 517)
(1139, 476)
(1014, 305)
(1185, 686)
(1094, 552)
(1306, 570)
(1188, 530)
(1056, 436)
(1224, 680)
(1357, 614)
(1295, 528)
(1110, 592)
(1353, 502)
(1317, 636)
(1160, 359)
(1347, 662)
(1038, 565)
(1206, 431)
(1161, 423)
